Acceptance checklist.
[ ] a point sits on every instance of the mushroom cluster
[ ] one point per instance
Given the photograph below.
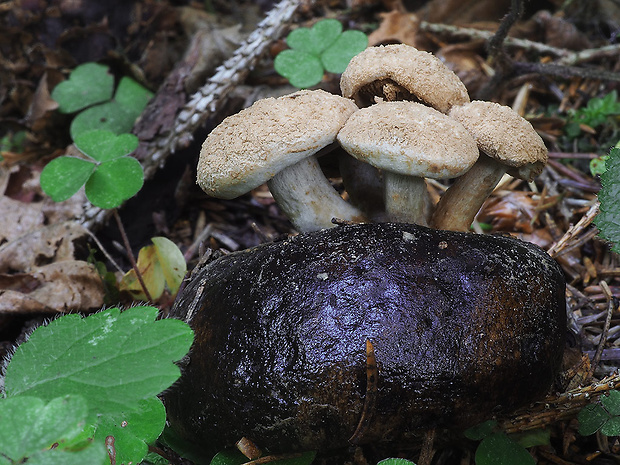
(403, 117)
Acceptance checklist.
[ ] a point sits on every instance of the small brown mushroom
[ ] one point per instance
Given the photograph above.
(508, 143)
(408, 141)
(275, 141)
(402, 72)
(368, 333)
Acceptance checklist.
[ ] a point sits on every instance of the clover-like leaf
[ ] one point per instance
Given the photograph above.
(315, 39)
(337, 56)
(64, 176)
(302, 69)
(133, 430)
(112, 359)
(608, 219)
(114, 181)
(102, 145)
(87, 85)
(499, 449)
(132, 96)
(110, 116)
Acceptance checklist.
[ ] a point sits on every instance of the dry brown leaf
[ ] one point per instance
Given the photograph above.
(18, 218)
(70, 285)
(48, 244)
(396, 27)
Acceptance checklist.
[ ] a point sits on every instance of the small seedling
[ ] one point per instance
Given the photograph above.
(110, 176)
(82, 386)
(603, 416)
(324, 47)
(608, 219)
(90, 87)
(594, 114)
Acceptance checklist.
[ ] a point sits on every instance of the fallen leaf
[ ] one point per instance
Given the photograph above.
(70, 285)
(396, 27)
(18, 218)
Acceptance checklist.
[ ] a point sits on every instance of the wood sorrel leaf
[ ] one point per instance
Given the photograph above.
(87, 85)
(114, 181)
(63, 176)
(102, 145)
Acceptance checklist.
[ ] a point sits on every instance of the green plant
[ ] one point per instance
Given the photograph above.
(83, 390)
(109, 175)
(12, 142)
(90, 88)
(594, 114)
(498, 448)
(324, 47)
(602, 415)
(608, 219)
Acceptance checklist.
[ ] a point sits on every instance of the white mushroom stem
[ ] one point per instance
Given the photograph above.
(307, 198)
(406, 199)
(460, 204)
(364, 186)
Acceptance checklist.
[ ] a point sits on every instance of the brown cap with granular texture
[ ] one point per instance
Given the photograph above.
(421, 74)
(409, 138)
(249, 148)
(501, 133)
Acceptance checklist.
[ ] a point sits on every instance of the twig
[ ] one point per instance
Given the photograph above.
(610, 310)
(209, 98)
(560, 247)
(564, 71)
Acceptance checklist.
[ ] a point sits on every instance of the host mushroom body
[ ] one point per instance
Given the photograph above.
(275, 141)
(408, 141)
(508, 143)
(463, 327)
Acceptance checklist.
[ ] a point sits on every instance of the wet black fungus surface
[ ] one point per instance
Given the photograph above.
(463, 326)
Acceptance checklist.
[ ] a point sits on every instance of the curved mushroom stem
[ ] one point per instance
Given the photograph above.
(308, 199)
(406, 199)
(460, 204)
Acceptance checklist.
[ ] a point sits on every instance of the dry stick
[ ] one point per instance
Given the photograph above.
(132, 259)
(561, 246)
(209, 98)
(610, 310)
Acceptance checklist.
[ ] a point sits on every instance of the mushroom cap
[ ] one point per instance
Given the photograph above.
(409, 138)
(502, 134)
(249, 148)
(422, 74)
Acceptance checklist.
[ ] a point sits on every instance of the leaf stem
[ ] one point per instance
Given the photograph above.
(132, 259)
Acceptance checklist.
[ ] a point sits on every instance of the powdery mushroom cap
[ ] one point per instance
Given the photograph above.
(421, 74)
(501, 133)
(409, 138)
(248, 148)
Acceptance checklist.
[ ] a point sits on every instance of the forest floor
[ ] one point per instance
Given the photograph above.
(558, 67)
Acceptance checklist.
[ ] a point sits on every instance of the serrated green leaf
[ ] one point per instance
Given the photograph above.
(64, 176)
(337, 56)
(111, 116)
(392, 461)
(499, 449)
(316, 39)
(302, 69)
(114, 181)
(102, 145)
(608, 219)
(481, 431)
(133, 430)
(112, 359)
(132, 96)
(87, 85)
(591, 418)
(29, 425)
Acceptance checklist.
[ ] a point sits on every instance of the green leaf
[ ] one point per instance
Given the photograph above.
(29, 425)
(234, 457)
(302, 69)
(611, 427)
(481, 431)
(102, 145)
(112, 359)
(132, 96)
(316, 39)
(608, 219)
(499, 449)
(392, 461)
(611, 402)
(63, 176)
(591, 418)
(87, 85)
(111, 116)
(114, 181)
(133, 430)
(536, 437)
(597, 165)
(337, 56)
(94, 454)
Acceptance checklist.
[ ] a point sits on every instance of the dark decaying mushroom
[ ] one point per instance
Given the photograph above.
(463, 327)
